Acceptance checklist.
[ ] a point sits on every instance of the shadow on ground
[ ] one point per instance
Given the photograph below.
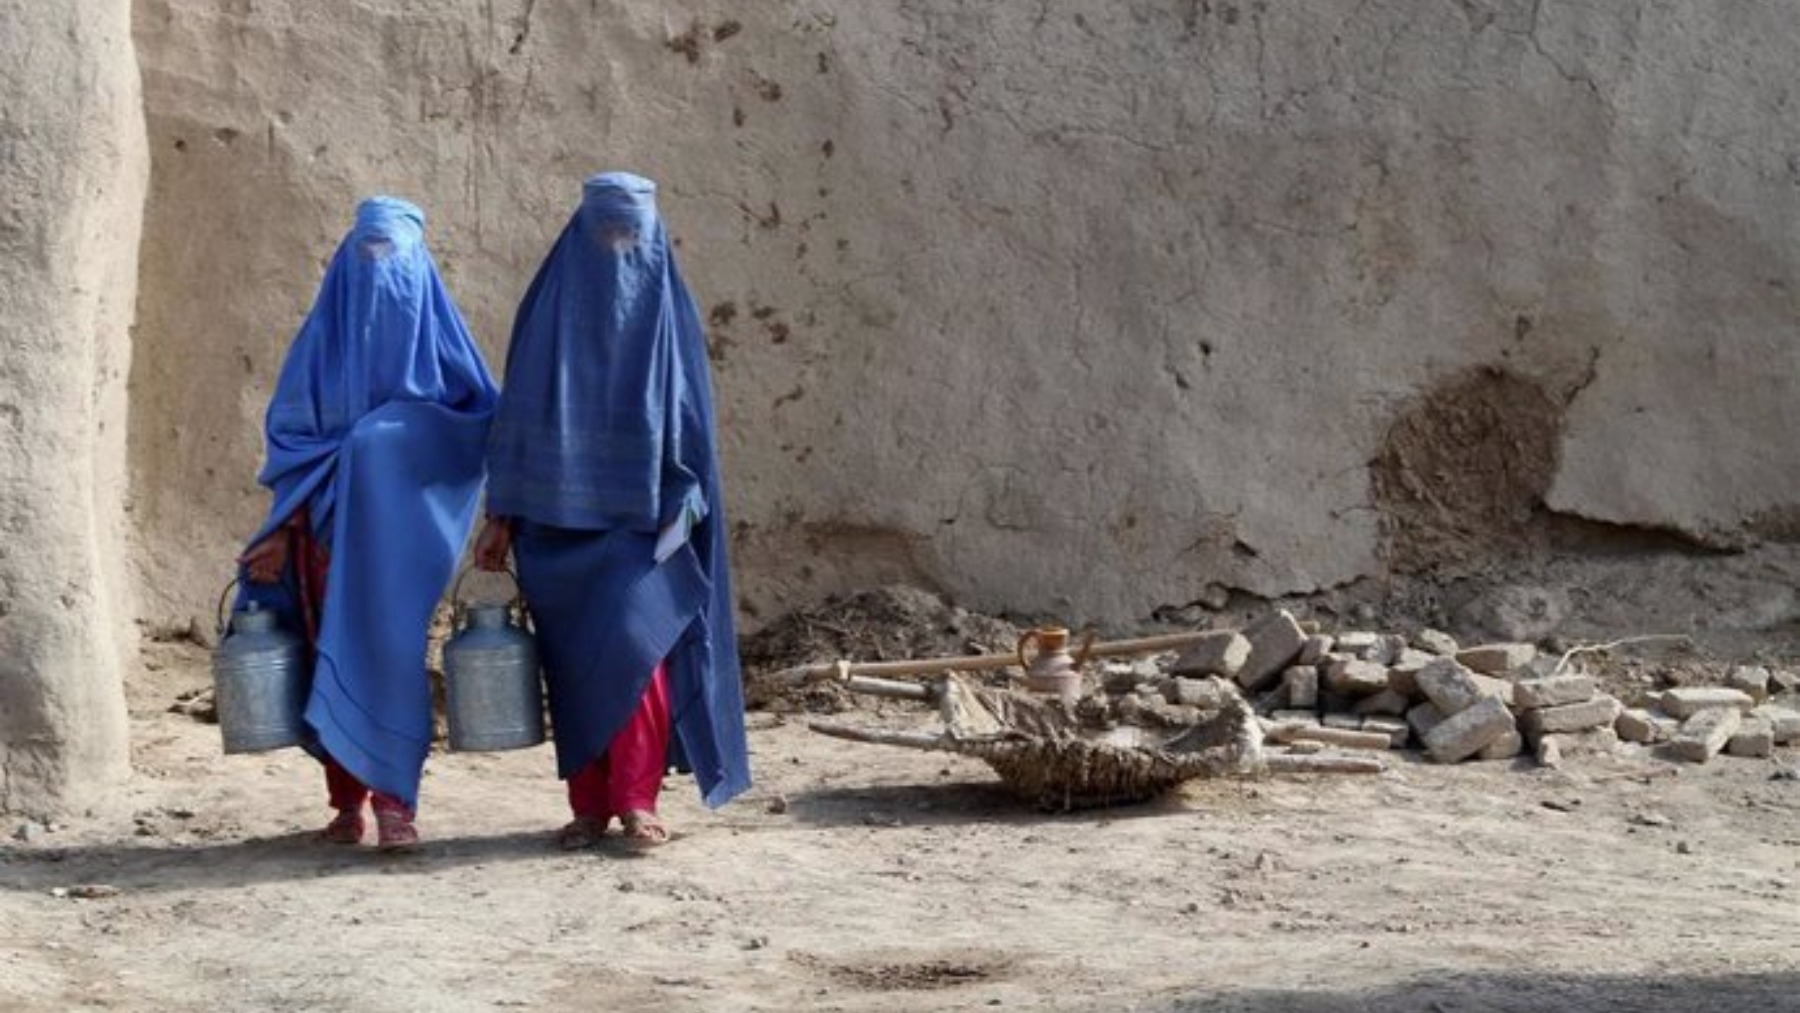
(1525, 992)
(286, 857)
(954, 803)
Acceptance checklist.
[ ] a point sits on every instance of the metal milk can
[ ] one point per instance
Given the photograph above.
(494, 695)
(1054, 672)
(260, 681)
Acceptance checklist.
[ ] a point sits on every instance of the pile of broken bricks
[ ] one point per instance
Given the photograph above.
(1363, 690)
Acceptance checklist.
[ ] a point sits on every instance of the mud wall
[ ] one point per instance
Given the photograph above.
(72, 177)
(1054, 306)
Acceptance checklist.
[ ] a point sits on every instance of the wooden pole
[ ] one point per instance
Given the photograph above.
(879, 736)
(844, 670)
(890, 688)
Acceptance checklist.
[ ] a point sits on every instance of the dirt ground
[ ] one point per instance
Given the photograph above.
(857, 877)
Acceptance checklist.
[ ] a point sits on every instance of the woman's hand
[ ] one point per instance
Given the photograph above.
(494, 542)
(266, 559)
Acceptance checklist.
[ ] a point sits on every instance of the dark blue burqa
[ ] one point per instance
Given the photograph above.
(603, 441)
(377, 426)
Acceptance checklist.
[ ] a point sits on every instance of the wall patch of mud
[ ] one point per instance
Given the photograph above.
(1463, 470)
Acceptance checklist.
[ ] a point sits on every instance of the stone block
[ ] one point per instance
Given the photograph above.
(1403, 678)
(1448, 684)
(1782, 680)
(1561, 746)
(1686, 701)
(1346, 722)
(1355, 642)
(1750, 679)
(1395, 729)
(1435, 642)
(1423, 718)
(1496, 659)
(1704, 733)
(1784, 722)
(1315, 649)
(1599, 712)
(1414, 659)
(1356, 678)
(1345, 738)
(1646, 727)
(1221, 653)
(1548, 752)
(1754, 738)
(1302, 685)
(1464, 734)
(1500, 689)
(1386, 702)
(1532, 694)
(1505, 747)
(1275, 641)
(1392, 649)
(1206, 694)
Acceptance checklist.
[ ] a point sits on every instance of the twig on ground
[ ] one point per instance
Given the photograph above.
(1609, 645)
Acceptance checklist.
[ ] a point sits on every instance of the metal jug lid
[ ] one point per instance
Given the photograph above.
(253, 618)
(488, 617)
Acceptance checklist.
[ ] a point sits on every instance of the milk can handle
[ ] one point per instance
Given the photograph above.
(219, 613)
(1087, 648)
(458, 612)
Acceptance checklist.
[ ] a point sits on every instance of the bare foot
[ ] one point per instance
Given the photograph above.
(644, 830)
(582, 832)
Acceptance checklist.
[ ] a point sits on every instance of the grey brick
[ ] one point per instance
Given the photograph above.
(1496, 659)
(1464, 734)
(1687, 701)
(1275, 642)
(1754, 738)
(1532, 694)
(1449, 685)
(1704, 733)
(1302, 685)
(1356, 678)
(1600, 712)
(1750, 679)
(1222, 653)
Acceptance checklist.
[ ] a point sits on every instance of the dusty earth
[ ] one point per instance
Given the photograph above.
(855, 877)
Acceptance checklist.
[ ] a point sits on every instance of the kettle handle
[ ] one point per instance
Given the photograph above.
(219, 613)
(457, 610)
(1087, 648)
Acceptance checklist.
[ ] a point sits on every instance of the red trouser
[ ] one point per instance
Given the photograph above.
(628, 776)
(312, 562)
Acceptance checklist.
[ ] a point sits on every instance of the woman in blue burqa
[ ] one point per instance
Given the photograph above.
(375, 441)
(603, 482)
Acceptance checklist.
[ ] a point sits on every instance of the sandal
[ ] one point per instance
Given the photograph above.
(643, 830)
(394, 831)
(582, 832)
(345, 828)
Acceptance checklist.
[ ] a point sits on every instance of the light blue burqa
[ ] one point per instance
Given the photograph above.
(378, 425)
(603, 441)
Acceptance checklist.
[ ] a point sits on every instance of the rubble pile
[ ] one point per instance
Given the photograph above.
(1368, 690)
